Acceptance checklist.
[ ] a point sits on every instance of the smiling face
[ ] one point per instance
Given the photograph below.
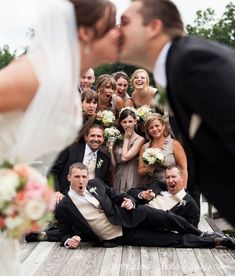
(87, 79)
(156, 129)
(78, 179)
(140, 81)
(95, 138)
(174, 180)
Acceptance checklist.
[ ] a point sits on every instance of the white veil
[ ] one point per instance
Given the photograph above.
(53, 119)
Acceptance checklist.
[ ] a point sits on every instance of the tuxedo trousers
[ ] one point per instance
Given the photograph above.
(167, 220)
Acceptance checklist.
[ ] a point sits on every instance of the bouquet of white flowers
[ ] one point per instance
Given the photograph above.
(112, 134)
(153, 156)
(143, 112)
(26, 202)
(105, 118)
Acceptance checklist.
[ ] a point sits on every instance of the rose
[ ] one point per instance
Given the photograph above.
(9, 182)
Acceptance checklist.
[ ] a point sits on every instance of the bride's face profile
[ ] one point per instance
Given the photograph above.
(98, 36)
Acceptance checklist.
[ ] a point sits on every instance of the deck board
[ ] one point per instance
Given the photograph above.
(50, 259)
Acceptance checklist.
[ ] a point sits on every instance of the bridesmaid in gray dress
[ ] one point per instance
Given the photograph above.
(158, 136)
(124, 155)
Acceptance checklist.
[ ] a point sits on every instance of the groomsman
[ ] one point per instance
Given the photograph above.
(174, 199)
(95, 212)
(198, 76)
(88, 153)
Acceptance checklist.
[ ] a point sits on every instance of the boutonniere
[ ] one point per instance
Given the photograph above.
(182, 202)
(93, 190)
(99, 163)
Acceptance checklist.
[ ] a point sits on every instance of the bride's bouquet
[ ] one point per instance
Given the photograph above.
(105, 118)
(143, 112)
(112, 134)
(153, 156)
(26, 202)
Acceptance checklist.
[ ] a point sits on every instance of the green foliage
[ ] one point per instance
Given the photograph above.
(5, 56)
(222, 30)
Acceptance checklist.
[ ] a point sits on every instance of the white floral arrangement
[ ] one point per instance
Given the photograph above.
(105, 118)
(153, 156)
(93, 190)
(143, 113)
(26, 201)
(112, 134)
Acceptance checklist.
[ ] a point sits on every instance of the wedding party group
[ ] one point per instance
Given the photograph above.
(124, 169)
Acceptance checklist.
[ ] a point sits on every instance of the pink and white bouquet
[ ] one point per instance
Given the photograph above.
(153, 156)
(105, 118)
(143, 113)
(26, 201)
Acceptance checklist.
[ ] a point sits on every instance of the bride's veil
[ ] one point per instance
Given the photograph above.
(54, 116)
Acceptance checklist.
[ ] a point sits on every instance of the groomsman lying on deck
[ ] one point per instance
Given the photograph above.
(174, 199)
(95, 212)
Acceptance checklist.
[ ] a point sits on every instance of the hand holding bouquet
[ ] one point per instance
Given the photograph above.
(25, 200)
(153, 156)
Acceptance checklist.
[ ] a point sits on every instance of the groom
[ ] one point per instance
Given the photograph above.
(199, 78)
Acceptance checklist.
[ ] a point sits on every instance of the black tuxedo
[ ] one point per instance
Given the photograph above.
(190, 211)
(75, 153)
(201, 81)
(139, 225)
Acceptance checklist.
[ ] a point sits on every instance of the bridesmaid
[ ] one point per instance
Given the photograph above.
(124, 156)
(158, 136)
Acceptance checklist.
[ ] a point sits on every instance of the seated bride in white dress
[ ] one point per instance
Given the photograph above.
(40, 110)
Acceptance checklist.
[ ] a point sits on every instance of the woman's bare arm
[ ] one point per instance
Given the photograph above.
(18, 85)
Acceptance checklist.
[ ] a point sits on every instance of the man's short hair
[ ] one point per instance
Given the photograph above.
(94, 126)
(177, 167)
(167, 12)
(77, 165)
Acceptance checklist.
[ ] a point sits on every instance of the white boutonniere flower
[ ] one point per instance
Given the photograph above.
(93, 190)
(182, 202)
(99, 163)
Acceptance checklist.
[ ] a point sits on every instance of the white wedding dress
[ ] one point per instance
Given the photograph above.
(53, 118)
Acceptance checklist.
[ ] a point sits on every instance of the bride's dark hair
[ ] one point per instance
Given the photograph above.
(89, 12)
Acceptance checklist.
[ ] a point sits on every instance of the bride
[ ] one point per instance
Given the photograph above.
(40, 109)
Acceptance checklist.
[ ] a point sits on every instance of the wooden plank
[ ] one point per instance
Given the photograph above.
(150, 263)
(37, 256)
(169, 262)
(203, 225)
(130, 265)
(112, 261)
(55, 261)
(188, 262)
(225, 260)
(208, 262)
(85, 260)
(26, 249)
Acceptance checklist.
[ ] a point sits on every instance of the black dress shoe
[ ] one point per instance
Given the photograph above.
(36, 236)
(228, 242)
(212, 234)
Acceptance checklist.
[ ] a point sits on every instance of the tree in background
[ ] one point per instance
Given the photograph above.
(5, 56)
(222, 30)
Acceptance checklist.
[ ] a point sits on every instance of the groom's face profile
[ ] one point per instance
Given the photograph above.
(132, 34)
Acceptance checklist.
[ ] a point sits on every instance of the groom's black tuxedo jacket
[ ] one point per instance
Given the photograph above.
(189, 210)
(72, 222)
(75, 153)
(201, 81)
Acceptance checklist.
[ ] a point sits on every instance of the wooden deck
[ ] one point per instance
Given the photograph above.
(49, 258)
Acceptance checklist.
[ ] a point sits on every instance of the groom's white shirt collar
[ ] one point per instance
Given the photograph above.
(159, 69)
